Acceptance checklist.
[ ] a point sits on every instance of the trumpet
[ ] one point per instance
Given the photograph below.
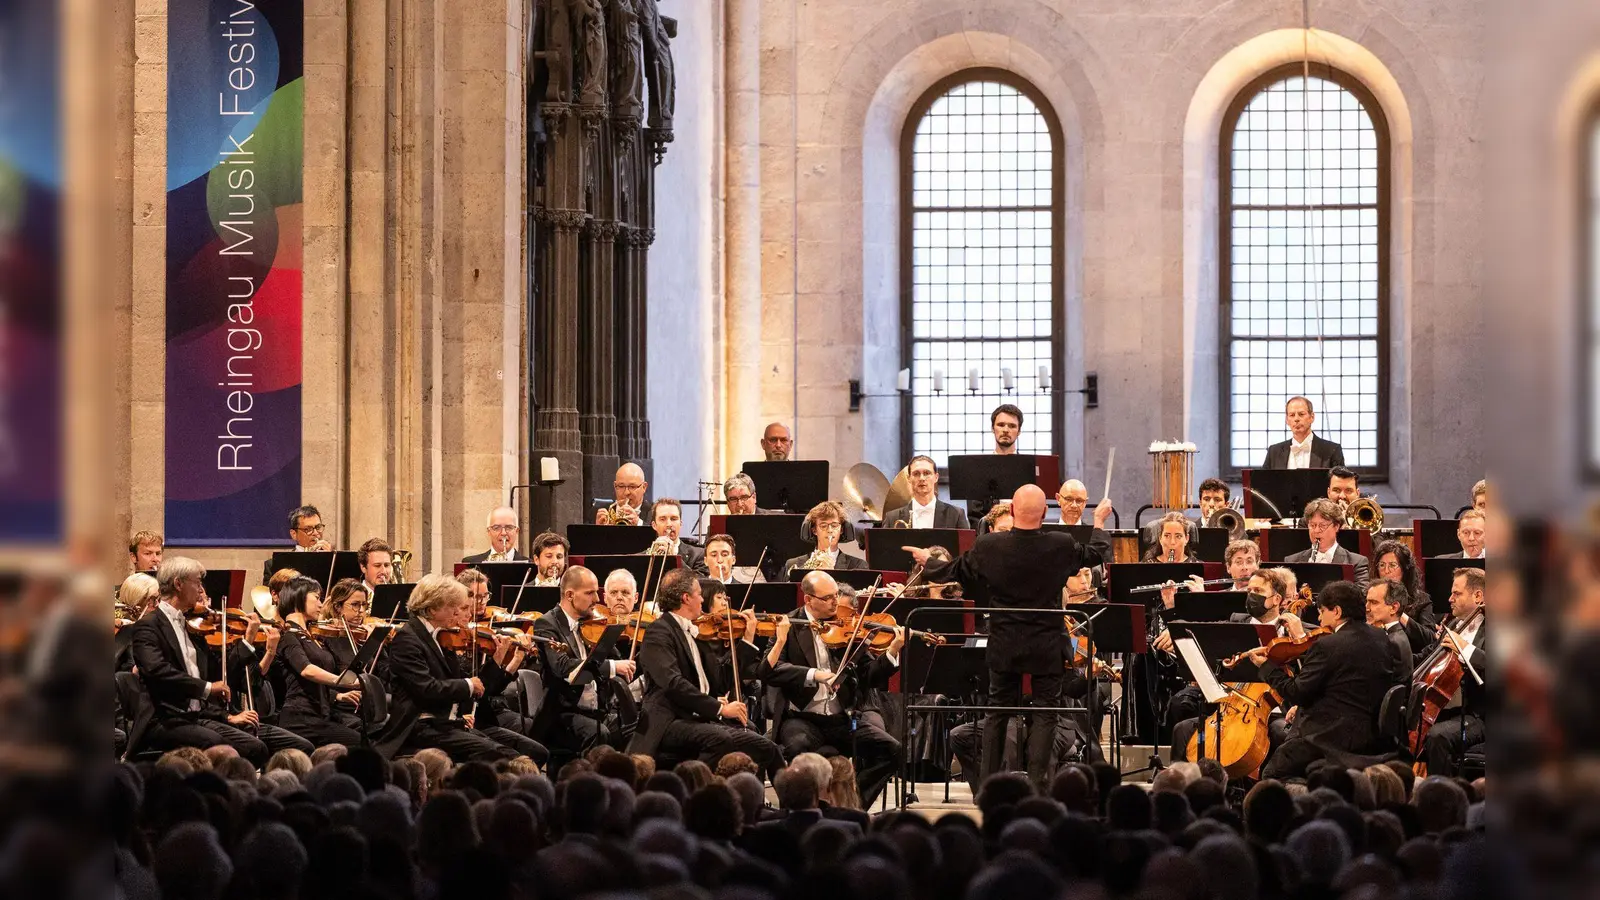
(618, 513)
(1366, 514)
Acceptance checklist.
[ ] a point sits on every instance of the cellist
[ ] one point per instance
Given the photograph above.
(1459, 726)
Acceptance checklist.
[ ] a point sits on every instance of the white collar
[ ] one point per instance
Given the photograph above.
(1298, 445)
(171, 612)
(929, 505)
(685, 624)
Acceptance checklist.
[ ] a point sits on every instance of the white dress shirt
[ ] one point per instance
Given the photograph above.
(692, 632)
(1323, 556)
(1467, 651)
(1300, 453)
(191, 657)
(824, 702)
(590, 698)
(922, 516)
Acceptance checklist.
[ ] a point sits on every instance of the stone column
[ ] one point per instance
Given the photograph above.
(555, 429)
(741, 418)
(597, 391)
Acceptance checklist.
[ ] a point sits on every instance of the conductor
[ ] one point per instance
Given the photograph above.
(1024, 568)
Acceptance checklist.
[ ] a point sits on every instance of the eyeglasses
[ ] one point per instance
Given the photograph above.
(1318, 525)
(1388, 567)
(738, 498)
(825, 598)
(358, 604)
(1073, 501)
(627, 487)
(312, 529)
(502, 529)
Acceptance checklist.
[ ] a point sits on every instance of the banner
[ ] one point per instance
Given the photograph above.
(31, 444)
(235, 100)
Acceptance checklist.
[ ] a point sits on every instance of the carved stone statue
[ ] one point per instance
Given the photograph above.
(658, 30)
(591, 24)
(627, 50)
(557, 50)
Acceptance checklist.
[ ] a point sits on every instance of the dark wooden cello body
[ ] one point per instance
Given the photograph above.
(1433, 683)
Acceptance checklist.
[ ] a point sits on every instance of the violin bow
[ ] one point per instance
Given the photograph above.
(520, 588)
(853, 644)
(759, 560)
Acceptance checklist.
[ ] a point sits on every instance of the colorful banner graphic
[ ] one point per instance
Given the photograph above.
(31, 445)
(235, 102)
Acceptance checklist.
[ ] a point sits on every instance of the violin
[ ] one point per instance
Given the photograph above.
(593, 628)
(338, 630)
(877, 629)
(716, 626)
(1284, 650)
(482, 638)
(1080, 658)
(208, 625)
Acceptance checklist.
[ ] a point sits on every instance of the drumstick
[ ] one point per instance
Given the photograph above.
(1111, 465)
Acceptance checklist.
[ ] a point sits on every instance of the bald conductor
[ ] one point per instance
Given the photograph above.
(502, 529)
(1024, 568)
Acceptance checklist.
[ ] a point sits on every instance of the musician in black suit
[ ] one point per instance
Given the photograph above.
(824, 525)
(429, 695)
(739, 493)
(190, 695)
(575, 704)
(681, 716)
(815, 693)
(1339, 687)
(1304, 450)
(666, 517)
(1385, 600)
(925, 510)
(1460, 725)
(1323, 518)
(502, 530)
(1470, 533)
(306, 529)
(1026, 568)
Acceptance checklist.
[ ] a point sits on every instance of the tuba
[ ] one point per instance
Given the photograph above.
(1229, 518)
(1366, 514)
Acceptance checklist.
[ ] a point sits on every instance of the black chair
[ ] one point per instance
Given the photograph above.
(134, 702)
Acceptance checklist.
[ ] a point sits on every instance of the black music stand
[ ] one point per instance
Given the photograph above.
(389, 600)
(1434, 537)
(1281, 543)
(370, 648)
(531, 599)
(225, 588)
(860, 579)
(945, 617)
(502, 574)
(794, 485)
(317, 563)
(883, 545)
(1210, 606)
(1316, 575)
(1117, 628)
(956, 669)
(1438, 575)
(609, 539)
(638, 563)
(1123, 578)
(1288, 489)
(983, 479)
(779, 597)
(778, 534)
(1213, 545)
(1083, 534)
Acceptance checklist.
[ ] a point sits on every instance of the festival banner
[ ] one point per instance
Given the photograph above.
(235, 104)
(31, 379)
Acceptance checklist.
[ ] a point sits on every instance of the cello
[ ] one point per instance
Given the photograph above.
(1433, 683)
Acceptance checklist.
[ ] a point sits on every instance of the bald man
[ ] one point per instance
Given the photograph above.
(628, 488)
(776, 442)
(1024, 568)
(502, 530)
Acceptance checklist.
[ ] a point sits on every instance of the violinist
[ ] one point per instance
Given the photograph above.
(497, 712)
(578, 684)
(188, 691)
(1459, 726)
(1385, 599)
(817, 693)
(136, 596)
(622, 593)
(681, 716)
(1393, 561)
(346, 610)
(430, 691)
(1339, 687)
(998, 518)
(312, 683)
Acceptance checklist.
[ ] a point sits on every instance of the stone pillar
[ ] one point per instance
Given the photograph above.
(555, 429)
(597, 391)
(741, 418)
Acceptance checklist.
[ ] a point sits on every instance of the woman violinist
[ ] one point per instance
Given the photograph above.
(312, 686)
(345, 611)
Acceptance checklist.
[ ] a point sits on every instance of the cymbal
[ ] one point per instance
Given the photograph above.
(899, 491)
(866, 485)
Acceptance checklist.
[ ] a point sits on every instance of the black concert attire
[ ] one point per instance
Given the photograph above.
(842, 561)
(1154, 680)
(177, 669)
(573, 716)
(1339, 690)
(1340, 556)
(678, 718)
(1324, 454)
(1023, 568)
(428, 694)
(1396, 633)
(514, 555)
(308, 706)
(966, 740)
(1459, 727)
(808, 717)
(944, 516)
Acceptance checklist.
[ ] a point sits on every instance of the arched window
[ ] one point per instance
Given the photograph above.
(1305, 274)
(981, 263)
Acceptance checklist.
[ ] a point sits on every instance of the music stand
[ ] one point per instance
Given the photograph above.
(945, 617)
(1210, 606)
(362, 661)
(955, 669)
(883, 544)
(389, 600)
(778, 597)
(1201, 650)
(317, 563)
(1120, 627)
(1213, 545)
(1122, 578)
(982, 479)
(613, 540)
(225, 588)
(778, 534)
(1281, 543)
(795, 485)
(530, 599)
(501, 574)
(860, 579)
(1288, 489)
(1434, 537)
(1438, 575)
(1316, 575)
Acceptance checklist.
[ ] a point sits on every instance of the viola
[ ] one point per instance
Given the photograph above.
(482, 638)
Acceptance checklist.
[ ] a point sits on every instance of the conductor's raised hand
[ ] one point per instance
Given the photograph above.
(1102, 513)
(919, 555)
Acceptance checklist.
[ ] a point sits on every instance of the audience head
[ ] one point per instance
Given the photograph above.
(1441, 804)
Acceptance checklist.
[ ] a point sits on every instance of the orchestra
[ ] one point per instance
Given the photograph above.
(696, 672)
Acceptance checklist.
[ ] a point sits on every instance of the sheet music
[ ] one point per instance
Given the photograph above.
(1196, 661)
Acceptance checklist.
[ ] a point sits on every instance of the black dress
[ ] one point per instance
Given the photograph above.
(309, 709)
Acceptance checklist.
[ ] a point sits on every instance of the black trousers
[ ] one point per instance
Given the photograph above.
(874, 751)
(966, 742)
(203, 733)
(1446, 742)
(1005, 689)
(458, 741)
(710, 741)
(338, 728)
